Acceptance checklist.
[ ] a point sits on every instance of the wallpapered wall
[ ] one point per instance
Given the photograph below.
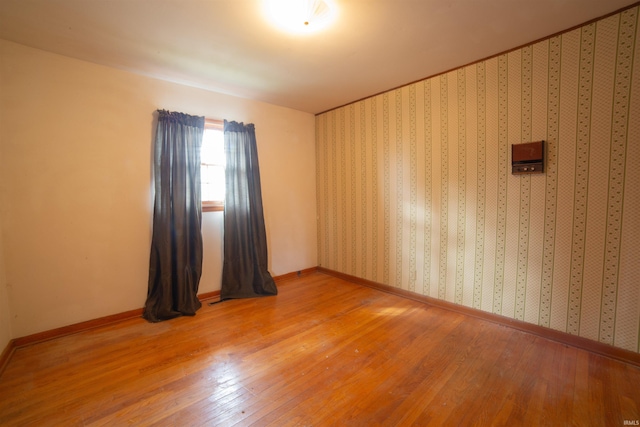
(415, 188)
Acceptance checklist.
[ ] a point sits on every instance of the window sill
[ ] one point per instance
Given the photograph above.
(212, 206)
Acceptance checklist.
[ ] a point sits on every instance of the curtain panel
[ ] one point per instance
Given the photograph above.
(244, 269)
(175, 264)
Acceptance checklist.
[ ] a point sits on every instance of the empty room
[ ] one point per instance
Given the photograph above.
(319, 212)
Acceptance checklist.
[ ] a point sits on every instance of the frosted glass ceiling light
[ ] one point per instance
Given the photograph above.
(300, 16)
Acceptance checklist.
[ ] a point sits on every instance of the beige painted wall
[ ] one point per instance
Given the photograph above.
(415, 190)
(5, 312)
(76, 152)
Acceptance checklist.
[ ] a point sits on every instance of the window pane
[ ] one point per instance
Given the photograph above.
(206, 174)
(217, 184)
(212, 169)
(212, 147)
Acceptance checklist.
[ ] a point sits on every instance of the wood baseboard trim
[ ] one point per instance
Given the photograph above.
(595, 347)
(90, 324)
(6, 356)
(295, 274)
(209, 295)
(75, 328)
(114, 318)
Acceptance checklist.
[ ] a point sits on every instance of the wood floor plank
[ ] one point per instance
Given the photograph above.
(478, 375)
(381, 376)
(323, 352)
(433, 368)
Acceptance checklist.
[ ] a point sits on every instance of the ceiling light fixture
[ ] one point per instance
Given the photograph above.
(300, 16)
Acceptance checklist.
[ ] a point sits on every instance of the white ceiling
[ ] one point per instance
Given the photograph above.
(228, 46)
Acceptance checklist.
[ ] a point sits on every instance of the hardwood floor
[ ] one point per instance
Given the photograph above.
(323, 352)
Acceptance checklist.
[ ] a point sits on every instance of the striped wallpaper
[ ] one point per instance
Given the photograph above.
(415, 190)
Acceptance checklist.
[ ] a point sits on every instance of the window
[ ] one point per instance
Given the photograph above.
(212, 166)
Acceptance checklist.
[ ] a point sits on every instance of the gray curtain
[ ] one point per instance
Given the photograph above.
(244, 269)
(175, 264)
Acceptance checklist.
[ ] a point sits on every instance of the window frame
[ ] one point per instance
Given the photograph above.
(210, 205)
